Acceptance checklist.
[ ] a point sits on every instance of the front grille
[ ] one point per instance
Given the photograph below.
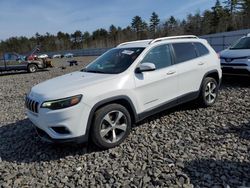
(234, 64)
(31, 105)
(228, 59)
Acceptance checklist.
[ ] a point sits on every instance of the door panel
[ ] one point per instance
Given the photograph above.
(190, 76)
(13, 62)
(157, 87)
(189, 68)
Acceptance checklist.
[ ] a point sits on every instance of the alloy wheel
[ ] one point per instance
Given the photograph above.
(210, 92)
(113, 126)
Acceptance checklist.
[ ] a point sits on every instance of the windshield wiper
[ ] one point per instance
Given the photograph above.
(239, 48)
(93, 71)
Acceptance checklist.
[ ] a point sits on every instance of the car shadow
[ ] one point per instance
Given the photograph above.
(20, 72)
(218, 173)
(20, 143)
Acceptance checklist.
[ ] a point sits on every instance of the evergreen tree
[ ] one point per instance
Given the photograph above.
(154, 23)
(137, 26)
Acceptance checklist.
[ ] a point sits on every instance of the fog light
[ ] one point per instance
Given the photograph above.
(60, 130)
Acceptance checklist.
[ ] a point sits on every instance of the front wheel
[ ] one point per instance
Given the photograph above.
(112, 124)
(32, 68)
(209, 92)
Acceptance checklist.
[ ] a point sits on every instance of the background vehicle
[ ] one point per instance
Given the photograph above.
(14, 61)
(56, 56)
(32, 57)
(68, 55)
(123, 86)
(42, 56)
(236, 59)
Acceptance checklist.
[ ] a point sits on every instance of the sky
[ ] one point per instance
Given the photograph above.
(26, 17)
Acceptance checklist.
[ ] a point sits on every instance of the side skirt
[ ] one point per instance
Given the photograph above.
(170, 104)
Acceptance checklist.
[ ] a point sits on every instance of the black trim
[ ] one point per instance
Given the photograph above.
(234, 64)
(106, 101)
(170, 104)
(44, 136)
(211, 72)
(139, 71)
(237, 71)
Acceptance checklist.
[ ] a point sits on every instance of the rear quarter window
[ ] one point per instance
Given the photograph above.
(184, 52)
(201, 49)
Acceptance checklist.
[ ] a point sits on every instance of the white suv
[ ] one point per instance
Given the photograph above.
(123, 86)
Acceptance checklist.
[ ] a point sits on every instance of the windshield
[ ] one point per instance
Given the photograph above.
(114, 61)
(243, 43)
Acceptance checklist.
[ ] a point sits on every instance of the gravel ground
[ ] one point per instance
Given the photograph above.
(185, 147)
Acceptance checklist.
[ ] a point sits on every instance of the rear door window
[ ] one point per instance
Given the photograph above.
(184, 52)
(201, 49)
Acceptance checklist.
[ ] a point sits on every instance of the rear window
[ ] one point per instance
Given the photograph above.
(184, 52)
(202, 50)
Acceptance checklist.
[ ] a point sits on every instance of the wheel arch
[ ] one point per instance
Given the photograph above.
(32, 63)
(122, 100)
(213, 74)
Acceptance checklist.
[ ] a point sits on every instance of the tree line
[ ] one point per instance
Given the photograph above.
(224, 16)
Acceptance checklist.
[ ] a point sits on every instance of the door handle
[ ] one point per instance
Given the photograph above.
(201, 63)
(171, 72)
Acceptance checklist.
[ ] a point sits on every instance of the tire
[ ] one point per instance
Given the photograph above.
(209, 92)
(32, 68)
(111, 126)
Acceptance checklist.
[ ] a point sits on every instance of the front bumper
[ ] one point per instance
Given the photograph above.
(235, 67)
(44, 136)
(60, 126)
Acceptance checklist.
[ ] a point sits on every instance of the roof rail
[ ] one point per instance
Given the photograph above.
(174, 37)
(136, 41)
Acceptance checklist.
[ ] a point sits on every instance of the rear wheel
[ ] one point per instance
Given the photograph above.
(112, 124)
(32, 68)
(209, 92)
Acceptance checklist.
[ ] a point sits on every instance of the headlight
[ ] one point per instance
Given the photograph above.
(62, 103)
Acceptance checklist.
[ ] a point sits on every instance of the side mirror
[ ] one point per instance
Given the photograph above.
(145, 67)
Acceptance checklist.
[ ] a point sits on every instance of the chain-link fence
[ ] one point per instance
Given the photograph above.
(221, 41)
(82, 52)
(218, 41)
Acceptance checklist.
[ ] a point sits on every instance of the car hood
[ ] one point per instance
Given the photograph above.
(67, 85)
(235, 53)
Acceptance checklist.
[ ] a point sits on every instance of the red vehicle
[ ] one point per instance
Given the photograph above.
(32, 57)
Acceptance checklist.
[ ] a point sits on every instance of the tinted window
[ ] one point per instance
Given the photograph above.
(202, 50)
(160, 56)
(10, 57)
(184, 52)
